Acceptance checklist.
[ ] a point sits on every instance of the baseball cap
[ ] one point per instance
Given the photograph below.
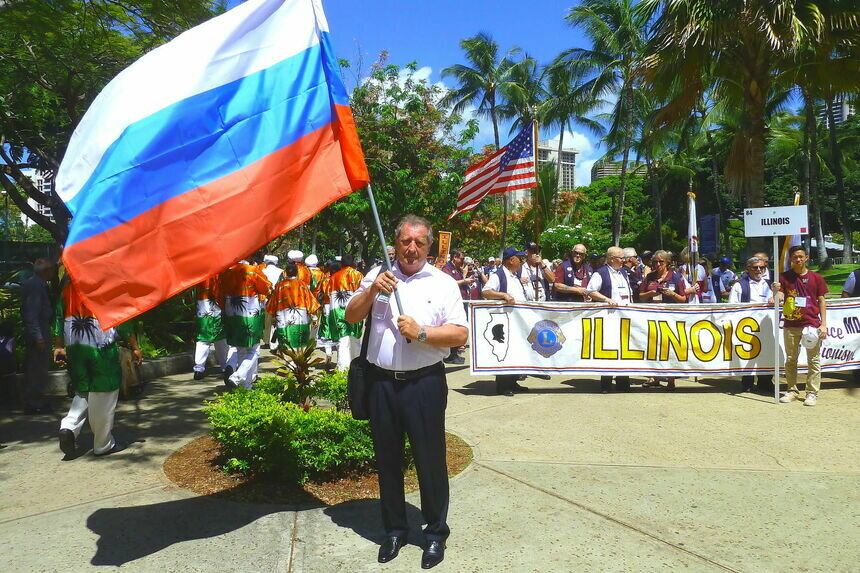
(726, 260)
(512, 252)
(492, 259)
(532, 246)
(809, 337)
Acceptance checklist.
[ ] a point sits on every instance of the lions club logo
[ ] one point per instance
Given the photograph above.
(546, 338)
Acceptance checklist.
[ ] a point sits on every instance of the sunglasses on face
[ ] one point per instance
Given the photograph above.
(657, 261)
(758, 268)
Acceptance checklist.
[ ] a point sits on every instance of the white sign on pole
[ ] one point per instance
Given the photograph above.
(776, 221)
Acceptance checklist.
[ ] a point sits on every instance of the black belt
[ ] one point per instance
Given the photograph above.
(409, 374)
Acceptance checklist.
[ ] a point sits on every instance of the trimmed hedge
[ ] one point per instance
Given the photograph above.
(258, 432)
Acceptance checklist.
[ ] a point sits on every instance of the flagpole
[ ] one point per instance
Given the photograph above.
(382, 243)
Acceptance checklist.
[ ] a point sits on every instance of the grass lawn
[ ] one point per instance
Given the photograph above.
(836, 276)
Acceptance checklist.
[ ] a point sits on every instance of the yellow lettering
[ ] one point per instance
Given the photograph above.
(696, 339)
(586, 338)
(626, 352)
(677, 338)
(652, 340)
(601, 353)
(727, 341)
(746, 328)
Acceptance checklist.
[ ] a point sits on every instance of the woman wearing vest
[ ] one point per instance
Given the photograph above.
(609, 284)
(752, 287)
(665, 286)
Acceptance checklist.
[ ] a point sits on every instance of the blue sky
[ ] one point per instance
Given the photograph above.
(429, 33)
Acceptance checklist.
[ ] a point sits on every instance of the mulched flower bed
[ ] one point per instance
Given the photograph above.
(197, 466)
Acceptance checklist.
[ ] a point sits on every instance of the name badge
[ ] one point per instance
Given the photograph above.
(800, 302)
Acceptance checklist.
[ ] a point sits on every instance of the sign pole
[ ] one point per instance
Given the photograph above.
(775, 322)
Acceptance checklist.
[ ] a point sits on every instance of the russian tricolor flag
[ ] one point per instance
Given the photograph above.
(203, 150)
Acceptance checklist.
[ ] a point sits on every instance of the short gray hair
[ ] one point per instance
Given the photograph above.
(753, 260)
(415, 221)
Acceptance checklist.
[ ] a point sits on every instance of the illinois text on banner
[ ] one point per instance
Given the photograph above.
(647, 340)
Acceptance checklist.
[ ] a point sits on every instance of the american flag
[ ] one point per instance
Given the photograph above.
(511, 167)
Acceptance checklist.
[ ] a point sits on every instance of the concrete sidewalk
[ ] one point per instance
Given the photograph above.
(564, 479)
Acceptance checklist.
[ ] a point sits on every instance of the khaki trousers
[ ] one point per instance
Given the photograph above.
(791, 336)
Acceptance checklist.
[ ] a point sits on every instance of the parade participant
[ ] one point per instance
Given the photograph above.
(572, 276)
(407, 385)
(344, 283)
(292, 305)
(323, 295)
(505, 285)
(752, 288)
(210, 330)
(37, 314)
(91, 356)
(454, 269)
(765, 258)
(273, 273)
(709, 293)
(665, 286)
(537, 274)
(317, 273)
(298, 257)
(725, 278)
(695, 276)
(805, 322)
(244, 288)
(633, 270)
(610, 284)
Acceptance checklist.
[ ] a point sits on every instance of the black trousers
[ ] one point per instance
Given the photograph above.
(622, 383)
(415, 408)
(765, 382)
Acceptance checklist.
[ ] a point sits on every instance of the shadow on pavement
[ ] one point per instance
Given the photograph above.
(363, 517)
(130, 533)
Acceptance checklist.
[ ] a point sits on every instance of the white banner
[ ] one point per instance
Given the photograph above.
(645, 339)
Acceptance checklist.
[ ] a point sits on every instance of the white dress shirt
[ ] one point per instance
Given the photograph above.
(620, 286)
(429, 296)
(516, 288)
(759, 291)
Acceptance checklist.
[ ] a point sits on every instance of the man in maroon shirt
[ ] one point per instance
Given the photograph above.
(802, 291)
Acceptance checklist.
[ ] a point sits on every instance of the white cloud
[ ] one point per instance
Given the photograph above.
(589, 150)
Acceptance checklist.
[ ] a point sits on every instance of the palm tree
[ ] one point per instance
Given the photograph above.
(542, 211)
(485, 81)
(567, 103)
(743, 44)
(617, 33)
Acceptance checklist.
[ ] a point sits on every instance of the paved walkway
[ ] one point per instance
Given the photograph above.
(564, 479)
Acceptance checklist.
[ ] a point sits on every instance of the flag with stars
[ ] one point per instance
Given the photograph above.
(511, 167)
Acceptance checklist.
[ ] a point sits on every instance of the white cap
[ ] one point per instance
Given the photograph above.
(296, 256)
(312, 260)
(809, 337)
(492, 259)
(270, 259)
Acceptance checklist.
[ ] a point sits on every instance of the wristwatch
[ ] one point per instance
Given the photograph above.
(422, 335)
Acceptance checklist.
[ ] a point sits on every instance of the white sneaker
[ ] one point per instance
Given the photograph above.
(811, 399)
(789, 397)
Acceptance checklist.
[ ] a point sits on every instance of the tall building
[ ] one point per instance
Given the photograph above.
(45, 184)
(842, 110)
(548, 151)
(607, 168)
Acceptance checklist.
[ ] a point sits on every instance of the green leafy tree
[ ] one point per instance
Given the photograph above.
(56, 57)
(415, 154)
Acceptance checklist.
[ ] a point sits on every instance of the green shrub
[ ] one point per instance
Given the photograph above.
(332, 387)
(259, 432)
(284, 387)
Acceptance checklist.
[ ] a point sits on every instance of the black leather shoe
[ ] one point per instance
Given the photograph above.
(433, 555)
(517, 388)
(67, 442)
(199, 375)
(390, 548)
(228, 371)
(541, 376)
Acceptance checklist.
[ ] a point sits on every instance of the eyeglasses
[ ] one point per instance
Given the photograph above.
(578, 253)
(657, 261)
(758, 268)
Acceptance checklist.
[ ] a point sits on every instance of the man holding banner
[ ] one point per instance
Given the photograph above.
(805, 314)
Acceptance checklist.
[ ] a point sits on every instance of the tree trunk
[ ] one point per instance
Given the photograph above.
(560, 140)
(715, 180)
(504, 195)
(844, 213)
(618, 219)
(810, 159)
